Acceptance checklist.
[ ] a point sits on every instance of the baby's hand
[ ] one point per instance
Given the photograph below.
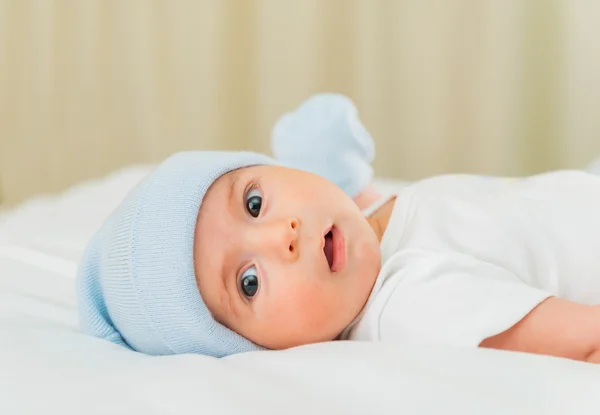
(366, 197)
(325, 136)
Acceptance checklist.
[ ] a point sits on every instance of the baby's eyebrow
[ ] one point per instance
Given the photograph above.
(233, 179)
(227, 306)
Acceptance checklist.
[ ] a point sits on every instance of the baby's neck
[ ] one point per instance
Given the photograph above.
(380, 218)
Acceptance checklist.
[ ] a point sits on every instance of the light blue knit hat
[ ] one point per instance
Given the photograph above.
(136, 281)
(325, 136)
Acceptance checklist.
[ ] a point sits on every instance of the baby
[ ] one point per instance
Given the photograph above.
(226, 252)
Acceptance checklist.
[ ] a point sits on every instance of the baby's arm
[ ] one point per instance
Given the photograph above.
(555, 327)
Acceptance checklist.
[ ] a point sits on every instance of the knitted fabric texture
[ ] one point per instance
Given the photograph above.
(136, 281)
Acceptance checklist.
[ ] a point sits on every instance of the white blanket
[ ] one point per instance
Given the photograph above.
(47, 366)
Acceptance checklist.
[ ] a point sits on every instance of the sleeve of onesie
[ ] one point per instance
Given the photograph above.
(452, 299)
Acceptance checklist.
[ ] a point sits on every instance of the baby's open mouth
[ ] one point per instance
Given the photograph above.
(328, 248)
(334, 248)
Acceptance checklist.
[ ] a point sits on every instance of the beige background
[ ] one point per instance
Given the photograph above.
(499, 86)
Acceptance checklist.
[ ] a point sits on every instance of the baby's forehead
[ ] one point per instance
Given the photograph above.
(219, 211)
(226, 188)
(219, 190)
(231, 178)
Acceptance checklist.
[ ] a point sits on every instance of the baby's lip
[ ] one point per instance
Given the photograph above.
(327, 246)
(334, 248)
(325, 232)
(339, 249)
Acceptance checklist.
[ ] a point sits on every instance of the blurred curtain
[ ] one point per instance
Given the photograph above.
(500, 86)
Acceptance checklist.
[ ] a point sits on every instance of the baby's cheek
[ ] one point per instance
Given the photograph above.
(294, 299)
(310, 306)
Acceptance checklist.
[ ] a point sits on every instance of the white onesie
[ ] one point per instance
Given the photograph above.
(466, 257)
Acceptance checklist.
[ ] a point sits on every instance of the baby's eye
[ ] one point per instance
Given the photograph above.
(253, 202)
(249, 282)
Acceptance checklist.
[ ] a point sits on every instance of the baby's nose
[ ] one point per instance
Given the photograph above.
(284, 238)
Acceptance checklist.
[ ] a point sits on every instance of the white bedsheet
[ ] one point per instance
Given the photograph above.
(47, 366)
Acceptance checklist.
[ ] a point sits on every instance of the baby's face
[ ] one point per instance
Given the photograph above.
(283, 257)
